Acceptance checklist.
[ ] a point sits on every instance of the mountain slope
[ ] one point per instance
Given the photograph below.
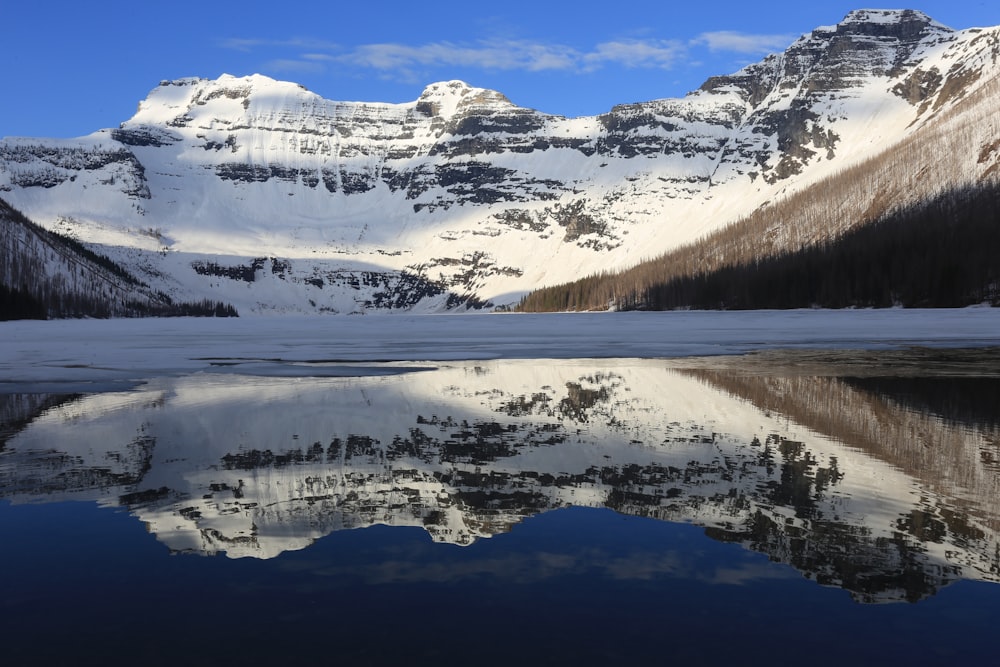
(915, 225)
(45, 274)
(263, 194)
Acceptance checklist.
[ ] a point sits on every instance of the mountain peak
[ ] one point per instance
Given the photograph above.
(866, 44)
(903, 23)
(885, 16)
(446, 98)
(250, 81)
(173, 102)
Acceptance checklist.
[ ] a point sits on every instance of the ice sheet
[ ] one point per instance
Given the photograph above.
(102, 351)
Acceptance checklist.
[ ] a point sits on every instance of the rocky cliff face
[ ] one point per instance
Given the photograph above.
(461, 198)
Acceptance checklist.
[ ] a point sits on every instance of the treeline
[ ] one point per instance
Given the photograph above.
(941, 253)
(204, 308)
(16, 304)
(46, 275)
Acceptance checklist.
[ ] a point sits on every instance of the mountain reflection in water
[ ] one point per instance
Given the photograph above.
(886, 486)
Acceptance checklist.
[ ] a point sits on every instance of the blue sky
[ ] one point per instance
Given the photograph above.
(74, 67)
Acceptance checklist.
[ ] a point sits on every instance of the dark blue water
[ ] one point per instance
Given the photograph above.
(605, 520)
(83, 585)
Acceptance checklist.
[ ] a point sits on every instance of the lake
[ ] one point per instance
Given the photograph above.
(253, 499)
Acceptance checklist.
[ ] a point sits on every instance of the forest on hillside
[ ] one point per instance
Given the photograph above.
(940, 253)
(47, 275)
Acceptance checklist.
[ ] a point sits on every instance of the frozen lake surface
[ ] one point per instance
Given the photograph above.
(129, 350)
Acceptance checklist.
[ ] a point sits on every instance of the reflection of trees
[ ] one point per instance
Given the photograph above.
(951, 456)
(51, 470)
(971, 401)
(17, 411)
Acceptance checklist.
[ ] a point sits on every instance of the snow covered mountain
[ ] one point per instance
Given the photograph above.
(262, 194)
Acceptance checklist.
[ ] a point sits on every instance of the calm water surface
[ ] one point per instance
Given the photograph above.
(818, 508)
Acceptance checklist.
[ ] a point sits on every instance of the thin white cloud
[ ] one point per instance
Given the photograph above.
(296, 43)
(404, 61)
(293, 65)
(498, 55)
(745, 43)
(637, 53)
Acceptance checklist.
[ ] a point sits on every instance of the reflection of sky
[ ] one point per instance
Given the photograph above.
(567, 543)
(575, 586)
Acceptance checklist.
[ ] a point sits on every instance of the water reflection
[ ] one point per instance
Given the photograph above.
(885, 486)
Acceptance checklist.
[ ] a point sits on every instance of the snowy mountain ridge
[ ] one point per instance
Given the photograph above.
(262, 194)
